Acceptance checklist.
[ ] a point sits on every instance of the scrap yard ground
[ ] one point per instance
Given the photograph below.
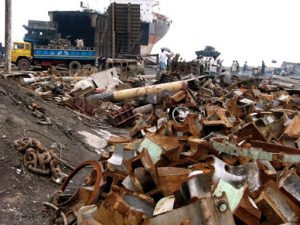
(92, 147)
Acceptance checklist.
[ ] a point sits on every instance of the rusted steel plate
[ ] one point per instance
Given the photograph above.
(277, 207)
(114, 211)
(171, 178)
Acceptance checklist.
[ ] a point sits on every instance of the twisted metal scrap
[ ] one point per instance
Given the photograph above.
(38, 159)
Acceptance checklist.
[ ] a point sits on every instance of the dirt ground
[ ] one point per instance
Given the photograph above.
(22, 192)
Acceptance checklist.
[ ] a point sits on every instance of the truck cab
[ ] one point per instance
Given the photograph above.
(21, 55)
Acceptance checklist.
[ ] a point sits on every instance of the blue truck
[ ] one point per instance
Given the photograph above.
(24, 54)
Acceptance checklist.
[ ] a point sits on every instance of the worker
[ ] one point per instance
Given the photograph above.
(101, 63)
(263, 67)
(200, 64)
(245, 68)
(219, 66)
(163, 59)
(213, 66)
(233, 68)
(79, 43)
(237, 67)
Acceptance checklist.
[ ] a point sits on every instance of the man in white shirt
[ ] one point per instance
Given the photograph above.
(213, 67)
(233, 68)
(163, 59)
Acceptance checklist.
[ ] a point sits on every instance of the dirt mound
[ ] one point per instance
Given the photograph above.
(22, 192)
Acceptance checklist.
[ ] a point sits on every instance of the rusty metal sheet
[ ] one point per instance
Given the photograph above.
(296, 223)
(86, 215)
(179, 96)
(142, 172)
(118, 156)
(250, 172)
(233, 107)
(117, 139)
(114, 211)
(291, 185)
(213, 210)
(190, 125)
(251, 130)
(293, 130)
(171, 178)
(201, 212)
(275, 148)
(204, 167)
(247, 211)
(275, 206)
(222, 121)
(174, 217)
(139, 204)
(82, 105)
(157, 145)
(198, 186)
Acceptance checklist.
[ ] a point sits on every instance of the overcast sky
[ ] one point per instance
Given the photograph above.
(243, 30)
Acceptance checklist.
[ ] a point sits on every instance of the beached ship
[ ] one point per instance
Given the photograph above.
(127, 28)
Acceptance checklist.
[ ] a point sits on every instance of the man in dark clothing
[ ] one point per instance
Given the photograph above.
(245, 68)
(101, 63)
(263, 68)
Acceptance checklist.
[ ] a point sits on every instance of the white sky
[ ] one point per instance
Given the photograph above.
(243, 30)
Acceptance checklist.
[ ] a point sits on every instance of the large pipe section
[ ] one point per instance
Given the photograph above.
(140, 92)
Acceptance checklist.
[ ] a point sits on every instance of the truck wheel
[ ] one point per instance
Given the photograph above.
(74, 65)
(23, 64)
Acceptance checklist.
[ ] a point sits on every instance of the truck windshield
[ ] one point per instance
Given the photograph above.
(18, 46)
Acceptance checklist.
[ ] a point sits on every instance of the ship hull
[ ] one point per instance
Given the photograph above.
(157, 30)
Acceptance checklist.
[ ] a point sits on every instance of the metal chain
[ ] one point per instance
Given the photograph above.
(40, 160)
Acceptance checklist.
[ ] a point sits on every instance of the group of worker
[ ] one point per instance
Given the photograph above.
(236, 70)
(211, 65)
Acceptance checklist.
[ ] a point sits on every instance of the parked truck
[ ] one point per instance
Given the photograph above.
(24, 54)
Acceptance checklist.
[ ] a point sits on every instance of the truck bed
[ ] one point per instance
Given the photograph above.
(88, 54)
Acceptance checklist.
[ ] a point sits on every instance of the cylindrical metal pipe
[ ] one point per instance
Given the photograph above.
(143, 109)
(139, 92)
(148, 90)
(7, 65)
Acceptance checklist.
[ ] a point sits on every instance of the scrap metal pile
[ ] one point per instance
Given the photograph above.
(204, 150)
